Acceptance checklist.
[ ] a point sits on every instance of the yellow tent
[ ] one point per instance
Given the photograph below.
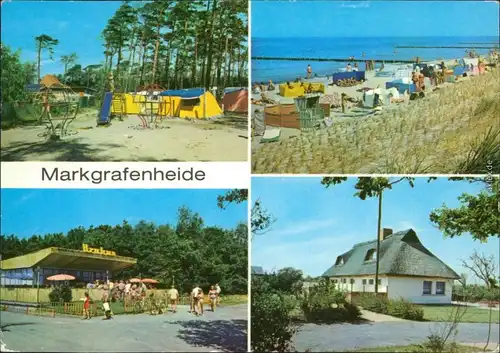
(298, 89)
(188, 104)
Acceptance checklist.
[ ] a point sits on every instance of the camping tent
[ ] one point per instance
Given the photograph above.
(193, 103)
(236, 100)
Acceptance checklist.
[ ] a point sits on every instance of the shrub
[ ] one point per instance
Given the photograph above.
(61, 293)
(272, 328)
(371, 302)
(405, 310)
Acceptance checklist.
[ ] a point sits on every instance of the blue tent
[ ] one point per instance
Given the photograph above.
(32, 87)
(184, 93)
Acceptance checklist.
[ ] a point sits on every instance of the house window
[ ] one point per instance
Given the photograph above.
(352, 281)
(190, 102)
(364, 282)
(371, 281)
(344, 280)
(440, 288)
(427, 287)
(335, 281)
(370, 255)
(379, 282)
(340, 261)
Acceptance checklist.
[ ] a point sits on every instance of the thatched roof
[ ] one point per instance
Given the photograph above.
(51, 81)
(401, 253)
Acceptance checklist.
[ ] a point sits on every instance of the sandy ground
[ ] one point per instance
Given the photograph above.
(224, 330)
(222, 139)
(372, 81)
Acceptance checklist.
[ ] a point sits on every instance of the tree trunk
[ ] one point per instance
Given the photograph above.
(208, 80)
(38, 59)
(195, 62)
(157, 47)
(227, 80)
(131, 60)
(176, 69)
(203, 64)
(143, 64)
(489, 325)
(379, 224)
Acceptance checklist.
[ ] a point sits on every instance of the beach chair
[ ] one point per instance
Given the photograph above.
(311, 114)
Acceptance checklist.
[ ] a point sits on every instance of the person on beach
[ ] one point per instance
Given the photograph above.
(355, 68)
(289, 85)
(271, 86)
(212, 294)
(86, 307)
(256, 89)
(173, 296)
(309, 71)
(348, 67)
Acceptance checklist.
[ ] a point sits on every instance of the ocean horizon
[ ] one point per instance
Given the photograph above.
(382, 48)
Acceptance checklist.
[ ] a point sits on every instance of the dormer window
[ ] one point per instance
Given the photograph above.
(340, 261)
(371, 255)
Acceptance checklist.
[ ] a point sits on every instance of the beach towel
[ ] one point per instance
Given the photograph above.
(271, 135)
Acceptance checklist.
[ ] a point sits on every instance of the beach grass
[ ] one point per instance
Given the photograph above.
(452, 130)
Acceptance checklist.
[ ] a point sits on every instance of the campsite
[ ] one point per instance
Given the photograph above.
(165, 82)
(400, 102)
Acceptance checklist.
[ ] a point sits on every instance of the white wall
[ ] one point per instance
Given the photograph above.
(411, 288)
(358, 285)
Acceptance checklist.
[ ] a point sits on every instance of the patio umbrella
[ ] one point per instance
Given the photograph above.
(149, 280)
(61, 277)
(134, 280)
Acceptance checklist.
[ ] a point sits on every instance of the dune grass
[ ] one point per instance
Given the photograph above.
(452, 130)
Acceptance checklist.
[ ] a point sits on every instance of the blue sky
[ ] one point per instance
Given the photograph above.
(314, 225)
(77, 25)
(39, 211)
(295, 18)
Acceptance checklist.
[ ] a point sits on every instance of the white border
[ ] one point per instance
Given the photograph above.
(249, 161)
(218, 175)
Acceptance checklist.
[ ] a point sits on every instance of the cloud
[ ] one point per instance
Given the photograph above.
(355, 5)
(302, 227)
(403, 225)
(25, 198)
(62, 25)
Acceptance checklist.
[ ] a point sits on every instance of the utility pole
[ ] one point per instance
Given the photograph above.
(379, 223)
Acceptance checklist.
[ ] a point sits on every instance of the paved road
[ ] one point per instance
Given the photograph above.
(328, 338)
(224, 330)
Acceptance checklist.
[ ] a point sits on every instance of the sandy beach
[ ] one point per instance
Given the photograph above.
(221, 139)
(433, 134)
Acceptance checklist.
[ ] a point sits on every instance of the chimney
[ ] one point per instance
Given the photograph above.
(384, 233)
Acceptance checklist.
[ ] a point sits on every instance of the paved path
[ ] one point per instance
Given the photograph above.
(224, 330)
(340, 337)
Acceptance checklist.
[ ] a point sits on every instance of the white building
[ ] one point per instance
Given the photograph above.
(406, 269)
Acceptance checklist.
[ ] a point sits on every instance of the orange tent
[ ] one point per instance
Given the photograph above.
(236, 101)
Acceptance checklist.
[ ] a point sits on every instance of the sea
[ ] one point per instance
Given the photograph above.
(338, 47)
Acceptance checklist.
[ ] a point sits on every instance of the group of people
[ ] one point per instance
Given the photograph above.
(198, 299)
(261, 87)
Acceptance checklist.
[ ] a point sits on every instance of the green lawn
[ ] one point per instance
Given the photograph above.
(442, 313)
(418, 348)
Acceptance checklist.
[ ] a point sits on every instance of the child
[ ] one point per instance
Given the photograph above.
(200, 301)
(105, 304)
(86, 307)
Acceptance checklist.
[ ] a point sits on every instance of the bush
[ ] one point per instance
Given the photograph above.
(405, 310)
(272, 328)
(61, 293)
(324, 304)
(399, 308)
(373, 303)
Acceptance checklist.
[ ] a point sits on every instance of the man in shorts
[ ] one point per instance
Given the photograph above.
(173, 296)
(194, 298)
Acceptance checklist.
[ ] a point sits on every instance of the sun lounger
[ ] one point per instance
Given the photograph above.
(271, 135)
